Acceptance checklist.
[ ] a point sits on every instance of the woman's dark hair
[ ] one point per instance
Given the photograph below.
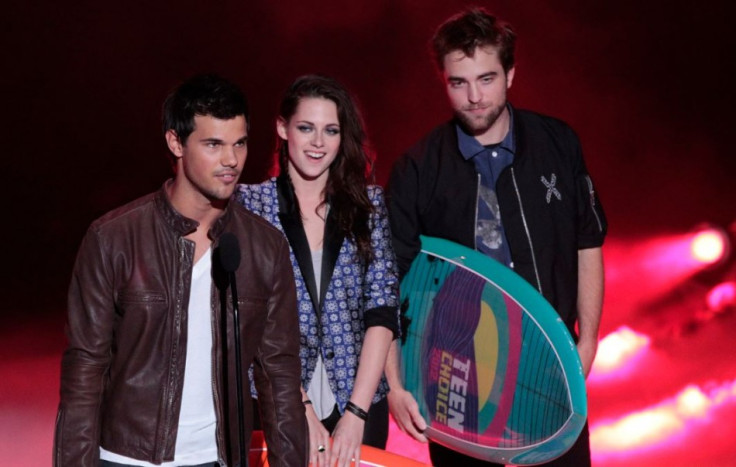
(351, 170)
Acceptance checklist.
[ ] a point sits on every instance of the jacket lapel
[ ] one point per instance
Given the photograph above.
(330, 250)
(294, 230)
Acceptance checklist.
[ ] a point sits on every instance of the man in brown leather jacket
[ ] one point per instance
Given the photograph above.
(149, 374)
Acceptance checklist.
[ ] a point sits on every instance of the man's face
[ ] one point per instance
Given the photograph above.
(476, 87)
(209, 163)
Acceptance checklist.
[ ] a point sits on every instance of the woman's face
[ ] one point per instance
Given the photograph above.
(313, 138)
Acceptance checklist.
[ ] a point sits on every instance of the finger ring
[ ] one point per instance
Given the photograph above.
(321, 448)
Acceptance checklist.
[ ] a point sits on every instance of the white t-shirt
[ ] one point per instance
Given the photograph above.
(195, 440)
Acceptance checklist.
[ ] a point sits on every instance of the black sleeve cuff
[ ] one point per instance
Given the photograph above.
(385, 316)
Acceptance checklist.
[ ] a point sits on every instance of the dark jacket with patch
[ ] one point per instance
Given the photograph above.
(549, 208)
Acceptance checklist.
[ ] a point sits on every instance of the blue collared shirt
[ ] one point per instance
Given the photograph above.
(489, 161)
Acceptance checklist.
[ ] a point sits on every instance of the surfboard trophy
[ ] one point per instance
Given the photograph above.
(492, 366)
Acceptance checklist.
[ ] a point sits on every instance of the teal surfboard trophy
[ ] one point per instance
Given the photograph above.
(492, 366)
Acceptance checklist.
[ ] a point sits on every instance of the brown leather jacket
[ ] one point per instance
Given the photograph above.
(123, 372)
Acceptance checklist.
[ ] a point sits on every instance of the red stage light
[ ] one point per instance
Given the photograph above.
(663, 422)
(709, 246)
(643, 269)
(721, 296)
(618, 349)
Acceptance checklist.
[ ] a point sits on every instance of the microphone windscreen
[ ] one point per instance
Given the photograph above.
(229, 251)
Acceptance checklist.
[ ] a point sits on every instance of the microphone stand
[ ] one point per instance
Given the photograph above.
(238, 367)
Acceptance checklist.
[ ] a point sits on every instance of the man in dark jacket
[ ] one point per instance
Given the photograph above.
(149, 375)
(509, 183)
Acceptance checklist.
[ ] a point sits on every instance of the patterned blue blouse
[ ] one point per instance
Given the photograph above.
(354, 296)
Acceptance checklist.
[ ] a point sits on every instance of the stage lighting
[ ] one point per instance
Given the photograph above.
(618, 349)
(721, 296)
(709, 246)
(667, 422)
(692, 402)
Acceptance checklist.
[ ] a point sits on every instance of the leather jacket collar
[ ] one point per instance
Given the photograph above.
(183, 225)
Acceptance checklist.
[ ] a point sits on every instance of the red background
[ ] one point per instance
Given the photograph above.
(648, 86)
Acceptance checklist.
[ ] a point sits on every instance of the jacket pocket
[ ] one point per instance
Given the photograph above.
(139, 303)
(140, 297)
(252, 301)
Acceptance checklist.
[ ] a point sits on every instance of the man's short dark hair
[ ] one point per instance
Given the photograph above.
(471, 29)
(204, 95)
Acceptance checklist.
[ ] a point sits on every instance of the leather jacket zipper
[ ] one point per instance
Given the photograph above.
(214, 375)
(163, 438)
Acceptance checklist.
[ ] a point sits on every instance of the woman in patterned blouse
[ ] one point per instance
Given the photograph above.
(344, 267)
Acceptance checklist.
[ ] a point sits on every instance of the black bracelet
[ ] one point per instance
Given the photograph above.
(357, 411)
(306, 402)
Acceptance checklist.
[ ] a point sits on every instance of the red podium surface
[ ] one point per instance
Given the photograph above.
(369, 456)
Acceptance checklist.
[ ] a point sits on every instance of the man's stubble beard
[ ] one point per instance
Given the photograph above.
(473, 126)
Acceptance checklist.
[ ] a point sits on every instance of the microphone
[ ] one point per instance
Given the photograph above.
(229, 251)
(229, 255)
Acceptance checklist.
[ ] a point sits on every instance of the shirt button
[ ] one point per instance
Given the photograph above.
(330, 354)
(494, 154)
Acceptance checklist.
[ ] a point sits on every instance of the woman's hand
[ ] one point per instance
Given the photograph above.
(346, 440)
(319, 439)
